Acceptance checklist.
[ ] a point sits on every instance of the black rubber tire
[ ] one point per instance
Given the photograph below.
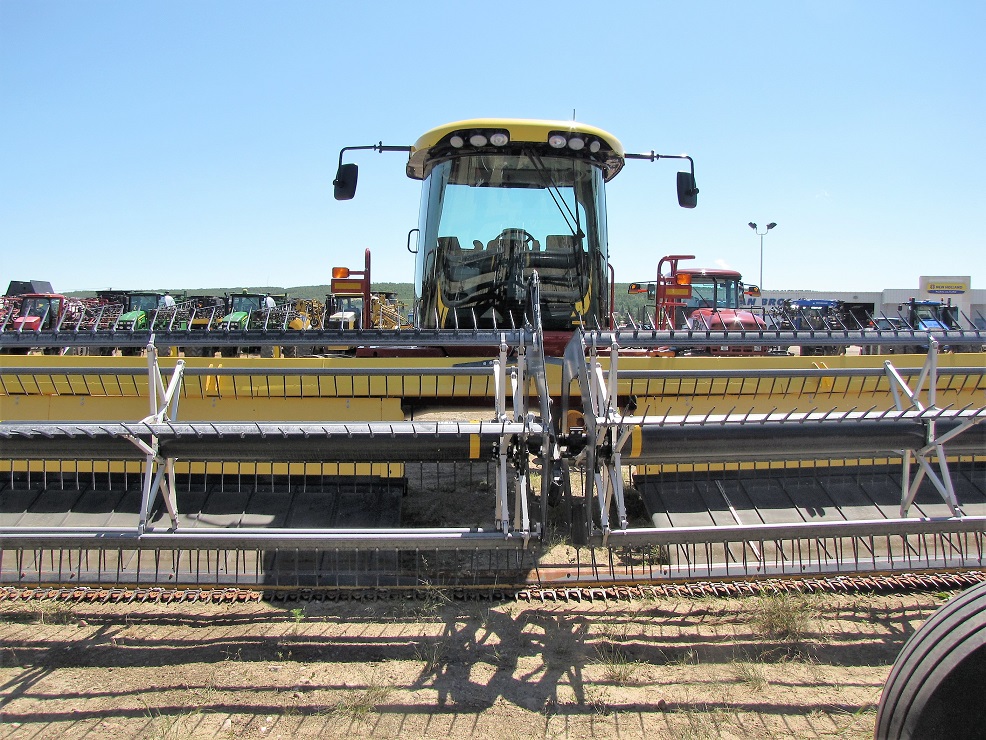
(935, 689)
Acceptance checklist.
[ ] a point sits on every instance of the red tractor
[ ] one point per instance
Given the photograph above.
(703, 299)
(41, 311)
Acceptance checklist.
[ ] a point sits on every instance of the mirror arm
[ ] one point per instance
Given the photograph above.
(653, 156)
(379, 147)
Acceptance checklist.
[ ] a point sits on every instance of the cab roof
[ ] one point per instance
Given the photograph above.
(522, 131)
(710, 272)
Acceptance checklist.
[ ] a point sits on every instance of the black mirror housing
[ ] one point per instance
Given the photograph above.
(345, 182)
(687, 190)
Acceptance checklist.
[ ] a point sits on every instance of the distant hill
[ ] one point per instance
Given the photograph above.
(634, 304)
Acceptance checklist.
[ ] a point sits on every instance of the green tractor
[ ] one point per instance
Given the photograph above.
(251, 311)
(149, 310)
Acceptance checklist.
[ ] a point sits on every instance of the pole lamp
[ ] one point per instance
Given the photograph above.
(761, 234)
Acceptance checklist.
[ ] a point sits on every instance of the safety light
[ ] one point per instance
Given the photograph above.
(683, 278)
(557, 141)
(478, 140)
(499, 139)
(576, 143)
(456, 141)
(340, 272)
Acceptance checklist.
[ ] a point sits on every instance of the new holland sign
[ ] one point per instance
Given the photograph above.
(946, 288)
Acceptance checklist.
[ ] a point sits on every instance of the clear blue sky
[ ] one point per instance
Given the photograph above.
(193, 144)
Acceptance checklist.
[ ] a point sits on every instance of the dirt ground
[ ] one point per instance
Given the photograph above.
(756, 667)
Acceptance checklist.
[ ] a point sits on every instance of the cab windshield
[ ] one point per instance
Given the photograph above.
(488, 221)
(245, 303)
(37, 307)
(146, 303)
(708, 292)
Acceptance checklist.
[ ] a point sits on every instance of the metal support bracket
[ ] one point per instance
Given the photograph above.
(935, 447)
(159, 472)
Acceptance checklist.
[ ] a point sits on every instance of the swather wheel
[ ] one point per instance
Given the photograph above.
(935, 687)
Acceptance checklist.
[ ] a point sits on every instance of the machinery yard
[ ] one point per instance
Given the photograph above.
(428, 482)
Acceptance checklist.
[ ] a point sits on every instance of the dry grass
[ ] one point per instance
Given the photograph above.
(618, 666)
(783, 617)
(359, 705)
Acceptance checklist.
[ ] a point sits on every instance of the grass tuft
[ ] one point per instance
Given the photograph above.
(783, 617)
(617, 664)
(751, 674)
(359, 705)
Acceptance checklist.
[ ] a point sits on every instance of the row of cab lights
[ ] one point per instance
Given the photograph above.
(556, 140)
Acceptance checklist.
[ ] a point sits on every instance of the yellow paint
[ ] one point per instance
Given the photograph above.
(346, 287)
(86, 408)
(611, 157)
(182, 467)
(687, 468)
(636, 441)
(343, 396)
(582, 307)
(672, 291)
(520, 129)
(473, 446)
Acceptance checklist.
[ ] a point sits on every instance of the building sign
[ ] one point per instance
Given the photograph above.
(946, 288)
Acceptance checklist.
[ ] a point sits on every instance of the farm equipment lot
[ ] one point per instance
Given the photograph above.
(751, 667)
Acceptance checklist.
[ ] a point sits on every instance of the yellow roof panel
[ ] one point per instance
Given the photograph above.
(521, 130)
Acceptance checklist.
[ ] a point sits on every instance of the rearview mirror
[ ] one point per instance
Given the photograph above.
(345, 182)
(687, 190)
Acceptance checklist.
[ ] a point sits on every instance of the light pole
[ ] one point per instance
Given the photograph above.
(761, 234)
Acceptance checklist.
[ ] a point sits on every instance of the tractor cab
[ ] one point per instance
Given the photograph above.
(698, 298)
(702, 299)
(497, 206)
(248, 310)
(140, 309)
(502, 199)
(929, 315)
(813, 313)
(38, 311)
